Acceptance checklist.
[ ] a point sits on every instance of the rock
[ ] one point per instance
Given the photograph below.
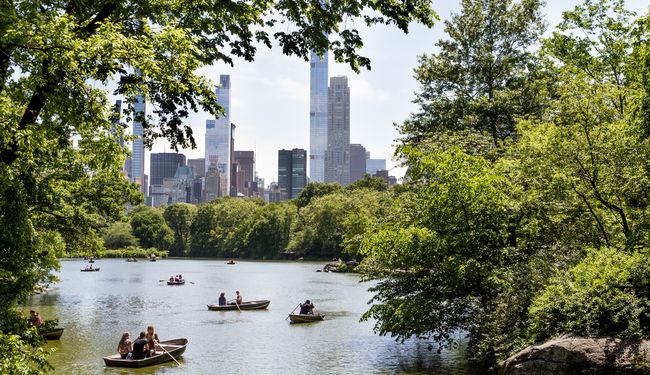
(581, 355)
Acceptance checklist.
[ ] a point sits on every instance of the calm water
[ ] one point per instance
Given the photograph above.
(96, 307)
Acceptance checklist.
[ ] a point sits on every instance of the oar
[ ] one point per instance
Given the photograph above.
(236, 304)
(165, 350)
(294, 309)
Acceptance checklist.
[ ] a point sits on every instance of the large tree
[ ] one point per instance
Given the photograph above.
(483, 77)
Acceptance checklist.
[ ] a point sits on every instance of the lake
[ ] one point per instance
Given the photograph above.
(96, 307)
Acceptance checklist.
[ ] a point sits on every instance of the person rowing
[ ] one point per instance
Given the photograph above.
(307, 308)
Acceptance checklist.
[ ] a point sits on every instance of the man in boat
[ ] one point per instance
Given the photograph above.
(140, 347)
(222, 299)
(238, 299)
(306, 308)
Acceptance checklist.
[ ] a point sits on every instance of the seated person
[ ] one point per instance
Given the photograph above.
(238, 298)
(36, 320)
(171, 279)
(125, 346)
(222, 299)
(306, 308)
(140, 348)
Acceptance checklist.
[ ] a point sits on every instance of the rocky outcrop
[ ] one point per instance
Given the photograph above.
(581, 355)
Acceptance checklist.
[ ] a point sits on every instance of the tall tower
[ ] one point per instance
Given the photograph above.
(317, 116)
(292, 175)
(218, 138)
(137, 160)
(337, 157)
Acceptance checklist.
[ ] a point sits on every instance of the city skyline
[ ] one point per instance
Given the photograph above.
(271, 102)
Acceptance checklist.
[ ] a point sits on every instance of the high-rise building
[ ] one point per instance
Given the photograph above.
(317, 116)
(218, 139)
(245, 161)
(374, 165)
(233, 189)
(163, 165)
(137, 158)
(357, 162)
(197, 166)
(115, 122)
(292, 172)
(337, 157)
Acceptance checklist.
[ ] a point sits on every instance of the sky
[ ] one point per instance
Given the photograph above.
(270, 96)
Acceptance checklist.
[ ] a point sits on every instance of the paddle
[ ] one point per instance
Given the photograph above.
(165, 350)
(236, 304)
(294, 309)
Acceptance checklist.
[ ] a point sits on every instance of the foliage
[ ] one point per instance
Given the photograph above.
(314, 190)
(485, 75)
(133, 252)
(179, 218)
(20, 343)
(217, 230)
(369, 182)
(119, 236)
(149, 227)
(606, 294)
(266, 232)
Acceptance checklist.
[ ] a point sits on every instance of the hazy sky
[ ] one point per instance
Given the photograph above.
(270, 96)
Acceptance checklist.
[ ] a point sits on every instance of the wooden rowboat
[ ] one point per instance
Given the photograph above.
(301, 318)
(250, 305)
(91, 270)
(53, 334)
(175, 348)
(179, 282)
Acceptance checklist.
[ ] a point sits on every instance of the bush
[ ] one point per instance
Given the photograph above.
(119, 236)
(606, 294)
(133, 252)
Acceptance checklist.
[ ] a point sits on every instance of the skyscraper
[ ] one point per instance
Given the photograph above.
(245, 161)
(137, 159)
(374, 165)
(163, 165)
(292, 172)
(218, 139)
(337, 157)
(317, 116)
(357, 162)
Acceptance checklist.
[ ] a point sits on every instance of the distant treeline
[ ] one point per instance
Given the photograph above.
(325, 221)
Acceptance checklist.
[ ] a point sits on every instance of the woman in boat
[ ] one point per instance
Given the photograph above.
(125, 346)
(222, 299)
(152, 340)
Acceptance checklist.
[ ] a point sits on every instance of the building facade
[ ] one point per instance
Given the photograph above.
(374, 165)
(337, 157)
(163, 165)
(357, 162)
(218, 140)
(292, 172)
(245, 161)
(137, 158)
(317, 116)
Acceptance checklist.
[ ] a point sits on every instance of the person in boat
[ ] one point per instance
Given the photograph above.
(125, 346)
(171, 279)
(140, 348)
(222, 299)
(35, 319)
(238, 298)
(152, 340)
(307, 308)
(180, 277)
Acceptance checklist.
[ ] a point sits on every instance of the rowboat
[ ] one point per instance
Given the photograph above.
(131, 260)
(152, 259)
(230, 262)
(175, 348)
(91, 270)
(250, 305)
(302, 318)
(179, 282)
(53, 334)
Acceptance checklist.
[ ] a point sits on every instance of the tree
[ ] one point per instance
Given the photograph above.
(119, 236)
(179, 218)
(483, 78)
(314, 190)
(266, 232)
(149, 227)
(369, 182)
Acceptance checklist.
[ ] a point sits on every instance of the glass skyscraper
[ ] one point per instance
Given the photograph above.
(292, 174)
(218, 138)
(317, 117)
(137, 159)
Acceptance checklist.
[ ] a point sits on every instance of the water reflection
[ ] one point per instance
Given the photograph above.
(95, 308)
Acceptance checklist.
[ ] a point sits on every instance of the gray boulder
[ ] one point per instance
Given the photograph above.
(568, 354)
